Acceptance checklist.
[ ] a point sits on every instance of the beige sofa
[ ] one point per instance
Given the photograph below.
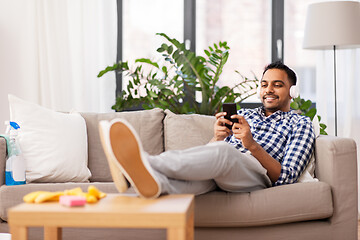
(315, 210)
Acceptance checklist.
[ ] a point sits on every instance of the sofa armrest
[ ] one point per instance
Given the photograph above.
(2, 160)
(336, 164)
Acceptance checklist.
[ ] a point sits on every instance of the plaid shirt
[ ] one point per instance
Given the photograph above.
(288, 137)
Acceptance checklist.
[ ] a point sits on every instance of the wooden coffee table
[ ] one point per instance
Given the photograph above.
(173, 212)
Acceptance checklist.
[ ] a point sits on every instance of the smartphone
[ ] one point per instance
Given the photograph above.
(230, 109)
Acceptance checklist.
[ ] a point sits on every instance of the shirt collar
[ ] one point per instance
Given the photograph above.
(278, 115)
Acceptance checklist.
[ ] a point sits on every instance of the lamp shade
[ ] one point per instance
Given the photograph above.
(331, 24)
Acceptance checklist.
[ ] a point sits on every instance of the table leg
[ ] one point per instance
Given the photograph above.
(52, 233)
(176, 234)
(184, 233)
(190, 228)
(18, 233)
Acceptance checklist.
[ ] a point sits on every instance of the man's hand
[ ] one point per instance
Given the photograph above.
(220, 130)
(241, 131)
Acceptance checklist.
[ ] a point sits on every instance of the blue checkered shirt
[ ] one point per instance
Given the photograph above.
(288, 137)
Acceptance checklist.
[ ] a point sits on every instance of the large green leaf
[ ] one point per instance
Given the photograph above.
(294, 105)
(311, 113)
(306, 105)
(120, 66)
(148, 61)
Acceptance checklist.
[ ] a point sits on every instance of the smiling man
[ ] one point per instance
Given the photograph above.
(268, 146)
(274, 88)
(276, 136)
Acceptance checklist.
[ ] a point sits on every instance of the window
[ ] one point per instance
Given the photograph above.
(301, 60)
(246, 26)
(142, 19)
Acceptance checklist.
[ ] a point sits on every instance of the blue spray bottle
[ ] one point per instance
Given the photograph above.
(15, 164)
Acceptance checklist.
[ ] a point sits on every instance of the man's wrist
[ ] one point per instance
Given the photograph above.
(255, 147)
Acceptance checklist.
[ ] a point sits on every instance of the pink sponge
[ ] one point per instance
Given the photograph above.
(72, 201)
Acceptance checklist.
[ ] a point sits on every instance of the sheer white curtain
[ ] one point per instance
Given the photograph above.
(73, 41)
(348, 96)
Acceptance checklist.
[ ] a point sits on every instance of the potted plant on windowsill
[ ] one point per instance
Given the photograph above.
(172, 83)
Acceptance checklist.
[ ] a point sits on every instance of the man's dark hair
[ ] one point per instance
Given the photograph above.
(279, 65)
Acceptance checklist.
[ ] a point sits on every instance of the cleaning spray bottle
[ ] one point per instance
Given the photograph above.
(15, 164)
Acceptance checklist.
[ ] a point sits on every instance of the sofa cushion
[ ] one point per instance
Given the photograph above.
(147, 123)
(54, 144)
(309, 201)
(276, 205)
(13, 195)
(183, 131)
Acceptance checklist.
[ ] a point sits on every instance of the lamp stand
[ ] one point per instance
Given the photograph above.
(335, 90)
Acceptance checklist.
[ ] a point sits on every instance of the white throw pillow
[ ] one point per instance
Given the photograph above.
(54, 144)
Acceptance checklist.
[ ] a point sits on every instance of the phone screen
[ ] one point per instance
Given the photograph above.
(230, 109)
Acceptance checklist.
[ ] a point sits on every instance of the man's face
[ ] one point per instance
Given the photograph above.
(275, 91)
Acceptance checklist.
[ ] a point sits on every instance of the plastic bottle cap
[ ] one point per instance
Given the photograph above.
(14, 125)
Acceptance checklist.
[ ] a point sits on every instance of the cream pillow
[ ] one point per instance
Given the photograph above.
(54, 144)
(183, 131)
(309, 173)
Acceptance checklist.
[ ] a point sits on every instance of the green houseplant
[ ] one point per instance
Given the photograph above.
(304, 107)
(182, 73)
(166, 86)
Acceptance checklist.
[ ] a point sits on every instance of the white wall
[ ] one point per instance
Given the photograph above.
(16, 51)
(34, 66)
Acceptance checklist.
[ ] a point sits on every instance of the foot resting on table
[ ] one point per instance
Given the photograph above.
(125, 155)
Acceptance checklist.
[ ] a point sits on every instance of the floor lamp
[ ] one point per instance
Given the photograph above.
(333, 25)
